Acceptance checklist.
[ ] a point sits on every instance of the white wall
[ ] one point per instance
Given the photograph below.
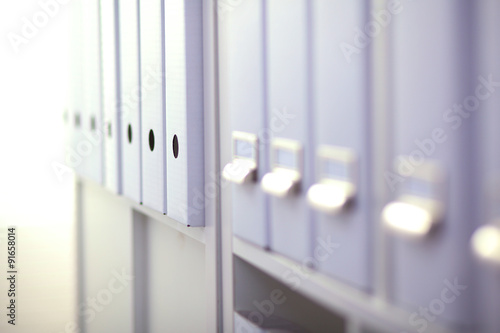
(33, 86)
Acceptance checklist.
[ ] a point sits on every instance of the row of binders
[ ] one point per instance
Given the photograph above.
(135, 111)
(296, 78)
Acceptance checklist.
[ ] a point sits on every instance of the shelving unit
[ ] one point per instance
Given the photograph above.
(193, 279)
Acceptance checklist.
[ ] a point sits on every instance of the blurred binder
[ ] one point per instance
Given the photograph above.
(92, 112)
(487, 235)
(111, 94)
(75, 153)
(341, 193)
(242, 65)
(432, 180)
(289, 177)
(131, 143)
(152, 69)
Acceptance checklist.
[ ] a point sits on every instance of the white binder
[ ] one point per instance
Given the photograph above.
(110, 94)
(154, 166)
(432, 154)
(75, 152)
(341, 192)
(184, 105)
(488, 233)
(241, 40)
(92, 124)
(288, 118)
(131, 140)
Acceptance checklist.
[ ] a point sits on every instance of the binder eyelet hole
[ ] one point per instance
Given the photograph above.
(151, 140)
(77, 120)
(109, 130)
(175, 146)
(129, 133)
(92, 123)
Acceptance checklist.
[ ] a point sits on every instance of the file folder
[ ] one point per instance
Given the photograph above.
(287, 56)
(341, 193)
(487, 234)
(75, 153)
(184, 111)
(131, 140)
(432, 150)
(92, 113)
(153, 131)
(243, 97)
(111, 94)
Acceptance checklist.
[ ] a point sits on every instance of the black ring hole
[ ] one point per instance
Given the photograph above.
(77, 120)
(109, 129)
(129, 133)
(92, 123)
(175, 146)
(151, 140)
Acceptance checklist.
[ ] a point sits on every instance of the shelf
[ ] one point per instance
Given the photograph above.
(331, 294)
(196, 233)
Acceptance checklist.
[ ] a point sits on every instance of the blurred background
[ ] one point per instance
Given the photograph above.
(34, 85)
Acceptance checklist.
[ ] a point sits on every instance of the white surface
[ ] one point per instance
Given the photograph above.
(32, 198)
(169, 286)
(176, 280)
(106, 245)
